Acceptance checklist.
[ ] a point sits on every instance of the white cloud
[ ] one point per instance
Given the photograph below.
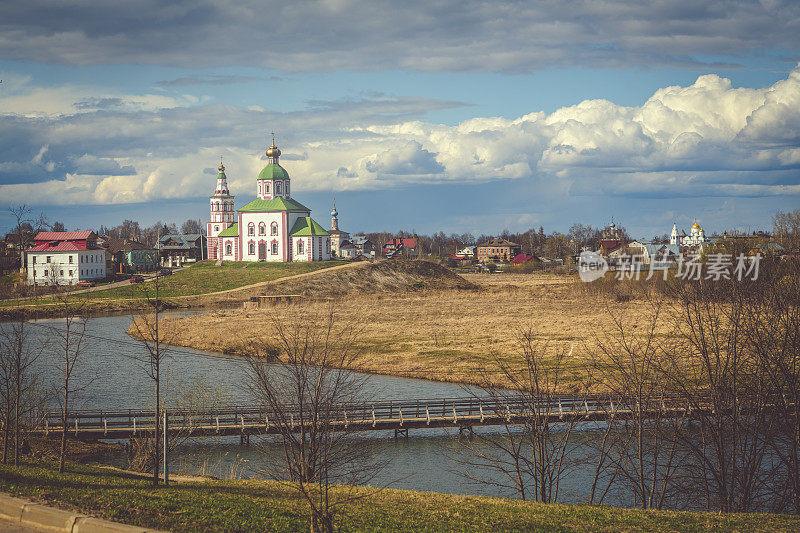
(706, 139)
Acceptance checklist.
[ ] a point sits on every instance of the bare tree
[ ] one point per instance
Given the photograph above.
(306, 397)
(645, 458)
(22, 216)
(532, 453)
(728, 390)
(18, 353)
(145, 326)
(71, 341)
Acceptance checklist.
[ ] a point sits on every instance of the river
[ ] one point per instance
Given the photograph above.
(113, 377)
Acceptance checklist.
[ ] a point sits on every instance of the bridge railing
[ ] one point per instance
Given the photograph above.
(507, 405)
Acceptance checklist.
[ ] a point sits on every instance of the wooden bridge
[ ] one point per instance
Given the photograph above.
(400, 416)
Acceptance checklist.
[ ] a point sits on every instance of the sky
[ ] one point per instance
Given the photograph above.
(429, 116)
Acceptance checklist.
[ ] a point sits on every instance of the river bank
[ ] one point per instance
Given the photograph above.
(444, 334)
(215, 505)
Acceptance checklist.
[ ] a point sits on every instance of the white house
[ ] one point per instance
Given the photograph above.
(65, 258)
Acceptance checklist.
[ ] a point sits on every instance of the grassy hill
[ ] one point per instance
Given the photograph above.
(214, 505)
(206, 277)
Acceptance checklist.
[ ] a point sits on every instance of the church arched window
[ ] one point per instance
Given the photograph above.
(262, 228)
(277, 187)
(252, 248)
(286, 189)
(273, 228)
(266, 188)
(251, 229)
(274, 248)
(299, 247)
(228, 249)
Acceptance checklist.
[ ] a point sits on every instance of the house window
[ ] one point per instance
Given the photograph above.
(70, 273)
(274, 248)
(48, 259)
(273, 228)
(70, 260)
(252, 248)
(299, 247)
(228, 249)
(251, 229)
(60, 272)
(34, 259)
(262, 228)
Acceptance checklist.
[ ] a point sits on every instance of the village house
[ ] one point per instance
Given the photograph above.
(65, 258)
(365, 247)
(348, 250)
(400, 247)
(175, 250)
(127, 256)
(498, 250)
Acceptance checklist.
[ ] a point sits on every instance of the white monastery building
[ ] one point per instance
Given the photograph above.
(273, 227)
(65, 258)
(696, 236)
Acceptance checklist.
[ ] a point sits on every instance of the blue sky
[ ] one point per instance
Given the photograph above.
(452, 116)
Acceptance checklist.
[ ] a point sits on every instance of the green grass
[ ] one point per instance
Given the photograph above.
(205, 276)
(212, 505)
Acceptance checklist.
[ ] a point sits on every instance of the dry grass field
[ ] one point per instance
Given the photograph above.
(449, 334)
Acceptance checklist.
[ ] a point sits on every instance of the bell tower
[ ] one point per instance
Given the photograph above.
(222, 213)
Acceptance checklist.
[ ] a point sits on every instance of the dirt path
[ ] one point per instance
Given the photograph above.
(265, 283)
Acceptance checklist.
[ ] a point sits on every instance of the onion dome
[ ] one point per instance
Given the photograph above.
(273, 151)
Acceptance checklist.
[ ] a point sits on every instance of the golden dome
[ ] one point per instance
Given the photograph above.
(221, 167)
(273, 151)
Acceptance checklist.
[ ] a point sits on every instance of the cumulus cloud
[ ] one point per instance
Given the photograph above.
(451, 35)
(707, 139)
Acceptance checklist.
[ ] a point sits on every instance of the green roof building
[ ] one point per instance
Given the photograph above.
(272, 227)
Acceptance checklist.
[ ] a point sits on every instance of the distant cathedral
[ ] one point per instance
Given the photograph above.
(273, 227)
(696, 236)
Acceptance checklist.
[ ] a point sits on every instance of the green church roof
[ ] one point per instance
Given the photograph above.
(276, 204)
(230, 231)
(273, 171)
(306, 226)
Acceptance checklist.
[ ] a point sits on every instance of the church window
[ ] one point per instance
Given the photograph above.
(262, 228)
(287, 188)
(277, 187)
(274, 248)
(299, 247)
(252, 248)
(216, 228)
(228, 249)
(266, 188)
(251, 229)
(274, 228)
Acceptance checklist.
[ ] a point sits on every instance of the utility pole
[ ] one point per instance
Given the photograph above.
(166, 448)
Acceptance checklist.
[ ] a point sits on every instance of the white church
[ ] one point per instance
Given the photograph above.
(273, 227)
(696, 236)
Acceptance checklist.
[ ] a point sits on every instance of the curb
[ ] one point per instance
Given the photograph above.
(46, 518)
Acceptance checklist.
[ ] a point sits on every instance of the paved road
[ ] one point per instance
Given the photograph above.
(7, 526)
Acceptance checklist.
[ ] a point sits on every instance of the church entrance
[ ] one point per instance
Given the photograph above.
(262, 251)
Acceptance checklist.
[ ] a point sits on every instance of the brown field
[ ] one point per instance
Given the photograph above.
(450, 334)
